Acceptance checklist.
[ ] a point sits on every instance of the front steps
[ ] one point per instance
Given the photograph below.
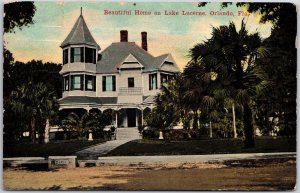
(128, 133)
(123, 136)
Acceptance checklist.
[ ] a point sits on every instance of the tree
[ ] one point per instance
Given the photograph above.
(280, 66)
(18, 14)
(170, 107)
(78, 124)
(75, 124)
(18, 75)
(36, 104)
(232, 55)
(198, 89)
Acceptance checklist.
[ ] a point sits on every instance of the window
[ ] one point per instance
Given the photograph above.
(66, 83)
(90, 55)
(65, 56)
(77, 54)
(77, 82)
(90, 83)
(109, 83)
(165, 78)
(130, 82)
(152, 81)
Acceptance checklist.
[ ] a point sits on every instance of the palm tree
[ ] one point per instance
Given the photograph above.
(198, 90)
(37, 104)
(79, 124)
(232, 55)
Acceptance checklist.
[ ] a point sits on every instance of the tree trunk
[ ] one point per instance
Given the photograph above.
(33, 129)
(46, 139)
(233, 122)
(248, 127)
(210, 130)
(195, 121)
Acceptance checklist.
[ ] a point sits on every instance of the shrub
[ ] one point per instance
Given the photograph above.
(150, 133)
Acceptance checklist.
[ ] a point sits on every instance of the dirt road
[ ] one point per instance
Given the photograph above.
(275, 174)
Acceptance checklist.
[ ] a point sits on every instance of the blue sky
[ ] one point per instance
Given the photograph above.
(166, 34)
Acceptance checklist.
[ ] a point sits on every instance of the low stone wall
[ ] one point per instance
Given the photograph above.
(62, 162)
(19, 161)
(51, 161)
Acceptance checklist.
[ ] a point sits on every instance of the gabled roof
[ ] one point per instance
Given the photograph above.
(169, 64)
(115, 54)
(130, 62)
(80, 34)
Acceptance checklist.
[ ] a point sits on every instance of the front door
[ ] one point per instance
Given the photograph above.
(131, 115)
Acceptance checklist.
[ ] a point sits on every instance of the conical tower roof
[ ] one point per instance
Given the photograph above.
(80, 34)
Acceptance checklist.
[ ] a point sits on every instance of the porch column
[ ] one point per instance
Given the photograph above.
(142, 117)
(136, 118)
(116, 119)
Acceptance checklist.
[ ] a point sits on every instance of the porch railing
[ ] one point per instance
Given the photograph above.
(130, 90)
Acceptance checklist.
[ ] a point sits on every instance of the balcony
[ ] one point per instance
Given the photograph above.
(130, 90)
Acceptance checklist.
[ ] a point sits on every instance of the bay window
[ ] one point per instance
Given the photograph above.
(90, 55)
(90, 83)
(77, 54)
(77, 82)
(81, 54)
(66, 83)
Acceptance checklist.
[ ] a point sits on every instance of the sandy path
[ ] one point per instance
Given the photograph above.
(272, 175)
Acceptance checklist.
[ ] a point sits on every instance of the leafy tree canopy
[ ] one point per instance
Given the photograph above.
(17, 15)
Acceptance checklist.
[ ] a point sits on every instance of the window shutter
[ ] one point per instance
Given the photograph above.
(72, 55)
(67, 55)
(94, 83)
(150, 82)
(82, 54)
(156, 81)
(64, 84)
(81, 82)
(114, 82)
(94, 56)
(72, 82)
(103, 83)
(86, 79)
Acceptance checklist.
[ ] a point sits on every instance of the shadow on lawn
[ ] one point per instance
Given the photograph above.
(35, 168)
(261, 162)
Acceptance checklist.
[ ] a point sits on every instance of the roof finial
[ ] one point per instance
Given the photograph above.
(80, 10)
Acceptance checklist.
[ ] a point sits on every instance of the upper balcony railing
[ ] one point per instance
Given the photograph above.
(130, 90)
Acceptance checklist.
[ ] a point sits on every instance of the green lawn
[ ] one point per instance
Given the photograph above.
(198, 147)
(56, 148)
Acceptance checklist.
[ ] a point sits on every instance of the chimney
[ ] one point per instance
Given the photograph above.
(123, 36)
(144, 40)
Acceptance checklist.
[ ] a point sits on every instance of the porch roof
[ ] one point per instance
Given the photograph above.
(98, 100)
(88, 100)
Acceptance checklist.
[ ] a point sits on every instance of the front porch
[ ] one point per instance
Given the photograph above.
(120, 117)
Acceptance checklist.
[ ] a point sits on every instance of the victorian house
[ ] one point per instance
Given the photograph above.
(124, 78)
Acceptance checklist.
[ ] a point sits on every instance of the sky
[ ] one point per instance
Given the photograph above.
(166, 34)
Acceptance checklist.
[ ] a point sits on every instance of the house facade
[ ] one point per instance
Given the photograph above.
(124, 78)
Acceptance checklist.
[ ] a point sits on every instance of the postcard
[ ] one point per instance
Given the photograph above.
(131, 95)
